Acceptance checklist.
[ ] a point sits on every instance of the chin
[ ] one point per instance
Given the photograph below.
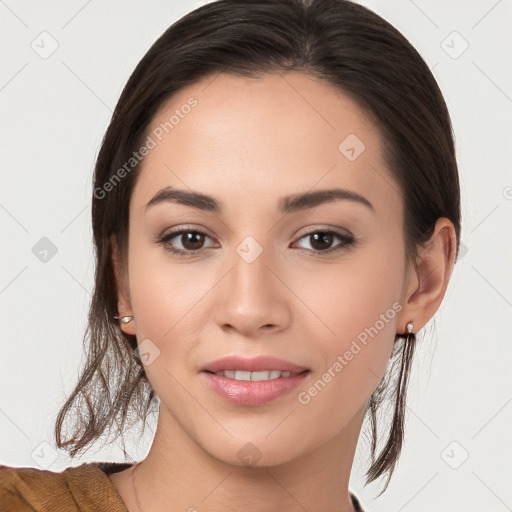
(255, 452)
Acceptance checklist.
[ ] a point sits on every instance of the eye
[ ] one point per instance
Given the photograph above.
(191, 241)
(321, 241)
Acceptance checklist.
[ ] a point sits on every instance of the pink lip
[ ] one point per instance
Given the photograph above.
(252, 393)
(256, 364)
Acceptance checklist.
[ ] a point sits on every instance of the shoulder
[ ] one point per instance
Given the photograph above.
(82, 488)
(27, 489)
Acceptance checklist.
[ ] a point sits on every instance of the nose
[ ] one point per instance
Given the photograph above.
(252, 298)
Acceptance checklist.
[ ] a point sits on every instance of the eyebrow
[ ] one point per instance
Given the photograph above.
(287, 204)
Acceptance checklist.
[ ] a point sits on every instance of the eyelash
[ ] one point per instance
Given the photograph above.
(347, 241)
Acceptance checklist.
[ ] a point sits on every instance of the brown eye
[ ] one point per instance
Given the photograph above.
(192, 240)
(321, 241)
(184, 242)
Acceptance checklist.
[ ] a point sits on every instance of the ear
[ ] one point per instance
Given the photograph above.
(426, 287)
(124, 306)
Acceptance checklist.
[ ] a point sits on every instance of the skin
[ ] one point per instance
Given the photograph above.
(248, 143)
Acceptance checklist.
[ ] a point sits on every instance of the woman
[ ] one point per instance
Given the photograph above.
(276, 214)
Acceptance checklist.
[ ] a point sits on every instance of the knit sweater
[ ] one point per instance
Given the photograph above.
(84, 488)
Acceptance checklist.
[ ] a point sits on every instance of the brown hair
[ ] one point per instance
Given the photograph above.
(337, 41)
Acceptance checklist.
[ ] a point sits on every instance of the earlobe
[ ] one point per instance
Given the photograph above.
(124, 307)
(436, 260)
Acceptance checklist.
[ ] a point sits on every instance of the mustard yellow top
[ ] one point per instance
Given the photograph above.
(84, 488)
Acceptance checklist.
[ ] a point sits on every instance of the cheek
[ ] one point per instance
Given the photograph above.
(354, 361)
(165, 296)
(351, 295)
(356, 306)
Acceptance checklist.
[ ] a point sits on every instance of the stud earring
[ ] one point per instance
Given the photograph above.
(410, 327)
(124, 319)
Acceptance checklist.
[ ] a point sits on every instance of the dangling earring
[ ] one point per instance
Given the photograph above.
(124, 319)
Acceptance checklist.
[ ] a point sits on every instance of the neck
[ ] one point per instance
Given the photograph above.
(178, 475)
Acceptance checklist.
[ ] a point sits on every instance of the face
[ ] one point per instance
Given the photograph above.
(316, 282)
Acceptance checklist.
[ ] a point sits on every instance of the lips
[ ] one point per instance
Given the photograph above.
(253, 382)
(252, 393)
(256, 364)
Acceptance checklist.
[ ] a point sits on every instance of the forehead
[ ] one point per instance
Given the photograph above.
(256, 139)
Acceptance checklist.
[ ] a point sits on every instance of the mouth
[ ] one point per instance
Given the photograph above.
(257, 364)
(253, 382)
(255, 376)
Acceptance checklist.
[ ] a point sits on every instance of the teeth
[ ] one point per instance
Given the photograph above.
(255, 376)
(263, 375)
(241, 375)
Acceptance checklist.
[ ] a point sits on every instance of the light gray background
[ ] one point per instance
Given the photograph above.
(54, 112)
